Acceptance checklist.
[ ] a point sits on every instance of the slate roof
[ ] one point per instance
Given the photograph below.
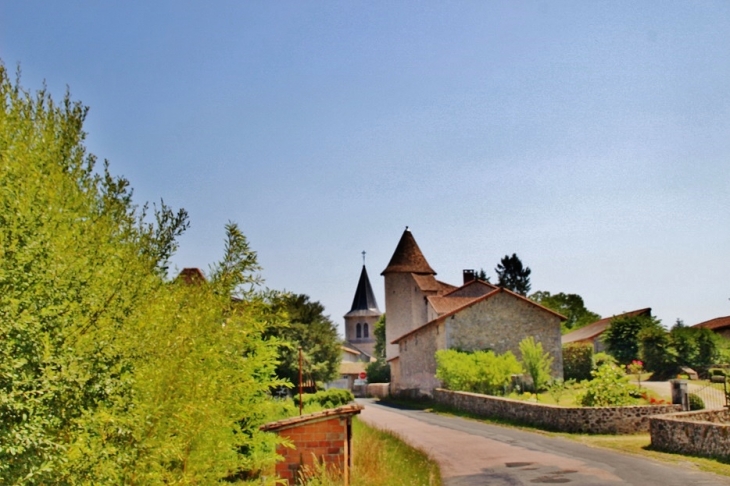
(408, 258)
(592, 330)
(716, 323)
(364, 304)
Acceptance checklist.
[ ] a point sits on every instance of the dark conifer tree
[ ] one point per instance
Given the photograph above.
(512, 275)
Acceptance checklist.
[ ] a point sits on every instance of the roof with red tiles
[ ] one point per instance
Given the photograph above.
(475, 288)
(312, 417)
(472, 302)
(597, 328)
(408, 258)
(443, 303)
(716, 323)
(192, 276)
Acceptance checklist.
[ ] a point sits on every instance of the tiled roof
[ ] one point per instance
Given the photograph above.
(426, 283)
(716, 323)
(473, 301)
(312, 417)
(364, 304)
(475, 288)
(444, 303)
(592, 330)
(191, 276)
(408, 258)
(352, 367)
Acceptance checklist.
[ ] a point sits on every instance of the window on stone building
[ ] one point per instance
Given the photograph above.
(358, 331)
(365, 330)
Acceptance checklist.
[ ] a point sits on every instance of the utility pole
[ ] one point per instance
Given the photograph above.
(300, 380)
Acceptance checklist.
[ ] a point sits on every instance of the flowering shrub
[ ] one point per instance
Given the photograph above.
(609, 387)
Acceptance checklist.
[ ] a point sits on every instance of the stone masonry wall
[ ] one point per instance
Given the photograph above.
(704, 433)
(404, 306)
(593, 420)
(500, 322)
(417, 360)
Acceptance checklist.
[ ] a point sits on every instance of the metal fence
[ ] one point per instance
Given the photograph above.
(713, 394)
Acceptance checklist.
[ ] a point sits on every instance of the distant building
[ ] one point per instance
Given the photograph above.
(591, 334)
(364, 313)
(426, 315)
(721, 325)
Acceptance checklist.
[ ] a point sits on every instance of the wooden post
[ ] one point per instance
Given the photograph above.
(300, 380)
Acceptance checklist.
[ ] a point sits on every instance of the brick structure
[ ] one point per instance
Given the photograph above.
(324, 437)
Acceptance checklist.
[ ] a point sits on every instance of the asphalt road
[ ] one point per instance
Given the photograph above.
(471, 453)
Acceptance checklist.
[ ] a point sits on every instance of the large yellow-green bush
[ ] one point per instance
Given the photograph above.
(109, 374)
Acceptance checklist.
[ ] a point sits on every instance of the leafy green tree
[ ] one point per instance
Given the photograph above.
(536, 363)
(482, 275)
(108, 373)
(513, 275)
(694, 347)
(569, 305)
(478, 372)
(307, 327)
(609, 387)
(379, 370)
(379, 333)
(665, 352)
(657, 352)
(622, 336)
(577, 361)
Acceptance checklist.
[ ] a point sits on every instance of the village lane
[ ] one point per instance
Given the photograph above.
(472, 453)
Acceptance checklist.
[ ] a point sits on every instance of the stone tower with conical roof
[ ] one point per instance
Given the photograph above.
(360, 321)
(409, 279)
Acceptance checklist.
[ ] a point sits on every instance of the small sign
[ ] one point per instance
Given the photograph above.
(363, 375)
(359, 382)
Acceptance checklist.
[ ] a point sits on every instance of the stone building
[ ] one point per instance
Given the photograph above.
(425, 315)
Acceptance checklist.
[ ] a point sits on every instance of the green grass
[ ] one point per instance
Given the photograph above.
(380, 458)
(635, 444)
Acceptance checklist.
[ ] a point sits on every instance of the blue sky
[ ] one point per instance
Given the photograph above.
(590, 138)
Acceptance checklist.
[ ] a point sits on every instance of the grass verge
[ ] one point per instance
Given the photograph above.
(380, 458)
(636, 444)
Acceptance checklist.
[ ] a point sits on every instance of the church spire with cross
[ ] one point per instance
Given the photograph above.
(364, 313)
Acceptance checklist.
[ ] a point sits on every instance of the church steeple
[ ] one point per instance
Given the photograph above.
(360, 321)
(408, 258)
(364, 304)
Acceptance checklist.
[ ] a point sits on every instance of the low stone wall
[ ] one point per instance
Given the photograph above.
(704, 433)
(379, 390)
(592, 420)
